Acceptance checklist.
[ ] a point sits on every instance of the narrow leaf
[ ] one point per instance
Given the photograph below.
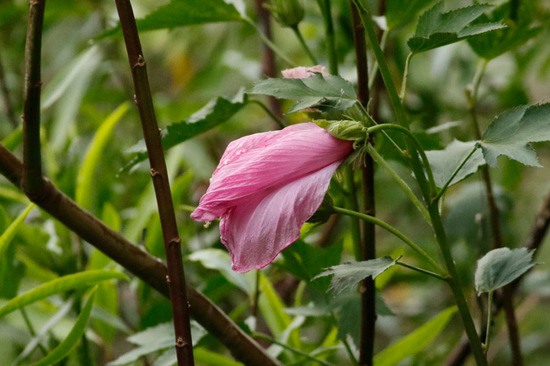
(512, 132)
(8, 235)
(501, 266)
(415, 341)
(214, 113)
(63, 349)
(437, 28)
(60, 285)
(328, 91)
(85, 177)
(349, 275)
(445, 162)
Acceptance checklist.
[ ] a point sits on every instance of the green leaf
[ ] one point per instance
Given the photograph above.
(437, 28)
(181, 13)
(512, 132)
(63, 349)
(400, 12)
(328, 91)
(493, 44)
(349, 275)
(501, 266)
(445, 162)
(8, 235)
(415, 341)
(85, 177)
(209, 358)
(155, 339)
(214, 113)
(220, 260)
(60, 285)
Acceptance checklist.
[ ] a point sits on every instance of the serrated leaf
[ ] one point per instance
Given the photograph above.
(437, 28)
(415, 341)
(155, 339)
(78, 329)
(86, 174)
(349, 275)
(493, 44)
(444, 162)
(214, 113)
(60, 285)
(512, 132)
(328, 91)
(501, 266)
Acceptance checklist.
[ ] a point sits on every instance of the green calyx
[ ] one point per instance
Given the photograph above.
(288, 13)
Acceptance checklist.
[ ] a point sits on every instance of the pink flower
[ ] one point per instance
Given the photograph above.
(266, 186)
(303, 72)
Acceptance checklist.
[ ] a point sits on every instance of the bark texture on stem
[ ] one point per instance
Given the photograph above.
(144, 266)
(159, 174)
(269, 67)
(32, 181)
(367, 289)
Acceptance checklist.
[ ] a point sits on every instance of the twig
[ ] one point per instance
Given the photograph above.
(147, 268)
(368, 240)
(32, 175)
(159, 174)
(10, 112)
(269, 67)
(534, 241)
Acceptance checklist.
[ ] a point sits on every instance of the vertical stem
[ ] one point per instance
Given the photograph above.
(159, 174)
(10, 112)
(489, 320)
(367, 289)
(310, 54)
(269, 67)
(405, 75)
(32, 181)
(324, 5)
(494, 218)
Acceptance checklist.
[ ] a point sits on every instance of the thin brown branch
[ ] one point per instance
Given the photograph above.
(10, 111)
(32, 176)
(534, 241)
(269, 67)
(147, 268)
(159, 174)
(367, 289)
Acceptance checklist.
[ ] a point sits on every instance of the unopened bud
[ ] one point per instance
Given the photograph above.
(288, 13)
(344, 130)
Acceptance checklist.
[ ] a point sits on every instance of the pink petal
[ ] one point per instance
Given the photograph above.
(257, 230)
(303, 72)
(258, 162)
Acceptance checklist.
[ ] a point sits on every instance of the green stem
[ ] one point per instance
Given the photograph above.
(394, 231)
(421, 270)
(351, 194)
(277, 120)
(456, 288)
(303, 43)
(405, 74)
(374, 69)
(408, 191)
(324, 5)
(489, 320)
(292, 349)
(446, 185)
(31, 330)
(269, 43)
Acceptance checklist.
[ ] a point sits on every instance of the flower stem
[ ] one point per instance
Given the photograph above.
(324, 5)
(446, 185)
(421, 270)
(269, 43)
(374, 69)
(303, 43)
(172, 243)
(405, 74)
(489, 320)
(277, 120)
(394, 231)
(408, 191)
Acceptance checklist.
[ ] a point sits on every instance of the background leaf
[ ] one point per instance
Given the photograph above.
(437, 28)
(512, 131)
(349, 274)
(414, 342)
(501, 266)
(328, 91)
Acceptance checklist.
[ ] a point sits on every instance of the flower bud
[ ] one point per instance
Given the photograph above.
(288, 13)
(344, 130)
